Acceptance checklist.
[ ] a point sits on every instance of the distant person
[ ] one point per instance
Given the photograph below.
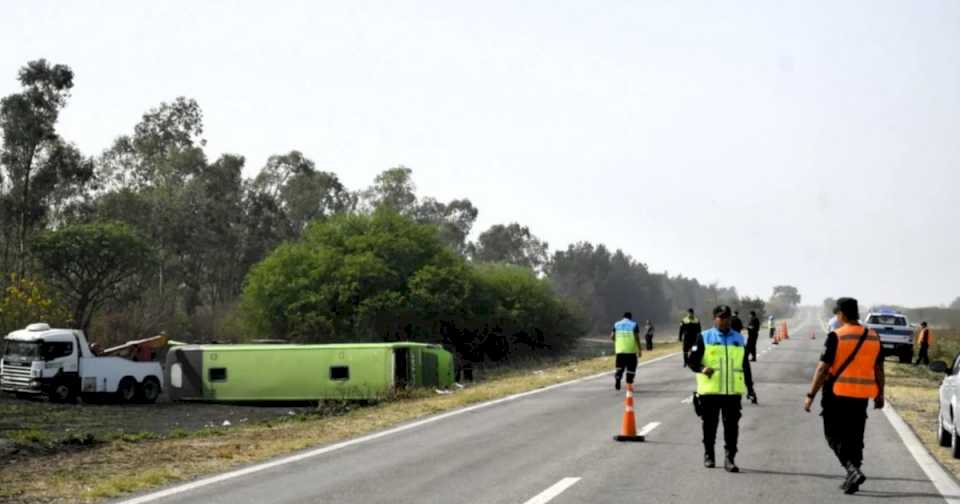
(723, 376)
(649, 335)
(773, 329)
(834, 323)
(626, 343)
(851, 373)
(924, 340)
(735, 323)
(689, 332)
(753, 334)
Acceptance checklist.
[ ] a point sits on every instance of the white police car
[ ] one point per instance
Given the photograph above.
(895, 331)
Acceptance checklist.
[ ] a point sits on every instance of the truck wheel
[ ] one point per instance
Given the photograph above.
(944, 437)
(127, 390)
(62, 392)
(149, 390)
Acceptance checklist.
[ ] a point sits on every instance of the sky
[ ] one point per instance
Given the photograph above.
(750, 143)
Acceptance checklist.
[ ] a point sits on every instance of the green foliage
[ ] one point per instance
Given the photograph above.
(92, 264)
(24, 301)
(748, 304)
(783, 303)
(511, 244)
(384, 277)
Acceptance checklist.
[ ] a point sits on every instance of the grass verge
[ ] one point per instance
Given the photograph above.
(914, 392)
(123, 466)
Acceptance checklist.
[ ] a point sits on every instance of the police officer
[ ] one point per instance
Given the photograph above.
(723, 376)
(753, 334)
(626, 342)
(689, 331)
(736, 323)
(924, 340)
(850, 372)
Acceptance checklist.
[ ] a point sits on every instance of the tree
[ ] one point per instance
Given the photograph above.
(784, 301)
(955, 305)
(394, 188)
(748, 304)
(511, 244)
(302, 192)
(92, 264)
(453, 220)
(828, 304)
(34, 157)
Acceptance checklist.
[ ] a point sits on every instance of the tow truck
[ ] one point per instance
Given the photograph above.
(895, 331)
(62, 365)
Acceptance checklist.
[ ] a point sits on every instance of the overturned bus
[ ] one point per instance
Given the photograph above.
(303, 372)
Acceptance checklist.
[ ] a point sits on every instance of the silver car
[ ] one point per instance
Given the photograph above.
(949, 431)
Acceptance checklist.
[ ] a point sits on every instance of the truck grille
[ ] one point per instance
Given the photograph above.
(14, 377)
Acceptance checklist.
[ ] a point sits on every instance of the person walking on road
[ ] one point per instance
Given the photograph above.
(753, 334)
(773, 329)
(649, 335)
(723, 376)
(626, 342)
(924, 340)
(735, 323)
(689, 331)
(851, 373)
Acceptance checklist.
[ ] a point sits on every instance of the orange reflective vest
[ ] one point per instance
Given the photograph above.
(858, 379)
(929, 336)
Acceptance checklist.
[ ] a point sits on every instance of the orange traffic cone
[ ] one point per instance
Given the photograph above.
(786, 334)
(628, 431)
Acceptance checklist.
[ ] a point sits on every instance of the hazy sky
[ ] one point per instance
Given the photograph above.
(751, 143)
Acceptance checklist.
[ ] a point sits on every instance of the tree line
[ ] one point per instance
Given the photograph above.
(152, 234)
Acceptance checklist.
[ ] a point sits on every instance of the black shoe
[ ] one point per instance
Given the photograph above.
(708, 461)
(616, 384)
(729, 466)
(855, 478)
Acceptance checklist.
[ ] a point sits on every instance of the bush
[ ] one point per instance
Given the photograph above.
(383, 277)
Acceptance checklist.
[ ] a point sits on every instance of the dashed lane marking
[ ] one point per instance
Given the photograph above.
(555, 490)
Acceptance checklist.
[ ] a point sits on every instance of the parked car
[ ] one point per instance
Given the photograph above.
(949, 430)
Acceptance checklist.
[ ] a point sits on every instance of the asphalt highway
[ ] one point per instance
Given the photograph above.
(556, 446)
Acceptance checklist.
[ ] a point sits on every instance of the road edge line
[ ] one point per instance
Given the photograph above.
(941, 479)
(209, 480)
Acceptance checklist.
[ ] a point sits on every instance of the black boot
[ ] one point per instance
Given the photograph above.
(855, 478)
(616, 384)
(708, 459)
(728, 463)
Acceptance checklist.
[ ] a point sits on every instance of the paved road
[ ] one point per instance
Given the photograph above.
(515, 451)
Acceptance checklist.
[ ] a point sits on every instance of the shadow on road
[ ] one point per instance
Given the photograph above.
(837, 477)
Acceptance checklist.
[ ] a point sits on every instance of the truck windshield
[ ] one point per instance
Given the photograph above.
(891, 320)
(21, 350)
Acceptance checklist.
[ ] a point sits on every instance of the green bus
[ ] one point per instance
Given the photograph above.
(288, 372)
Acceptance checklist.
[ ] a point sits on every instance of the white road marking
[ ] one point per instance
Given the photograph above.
(647, 429)
(946, 485)
(363, 439)
(688, 400)
(555, 490)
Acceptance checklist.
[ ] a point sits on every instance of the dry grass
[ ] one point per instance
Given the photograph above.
(120, 467)
(914, 392)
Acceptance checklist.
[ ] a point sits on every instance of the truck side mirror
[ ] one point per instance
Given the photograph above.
(939, 367)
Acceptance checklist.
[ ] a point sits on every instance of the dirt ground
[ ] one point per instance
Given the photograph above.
(29, 426)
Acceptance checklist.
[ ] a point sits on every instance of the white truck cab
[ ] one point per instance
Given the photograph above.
(59, 364)
(895, 331)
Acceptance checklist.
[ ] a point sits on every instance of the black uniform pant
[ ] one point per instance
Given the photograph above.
(752, 344)
(713, 407)
(844, 419)
(626, 362)
(687, 346)
(922, 354)
(649, 338)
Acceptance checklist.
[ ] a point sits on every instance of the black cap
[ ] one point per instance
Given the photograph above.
(849, 308)
(690, 310)
(628, 315)
(722, 311)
